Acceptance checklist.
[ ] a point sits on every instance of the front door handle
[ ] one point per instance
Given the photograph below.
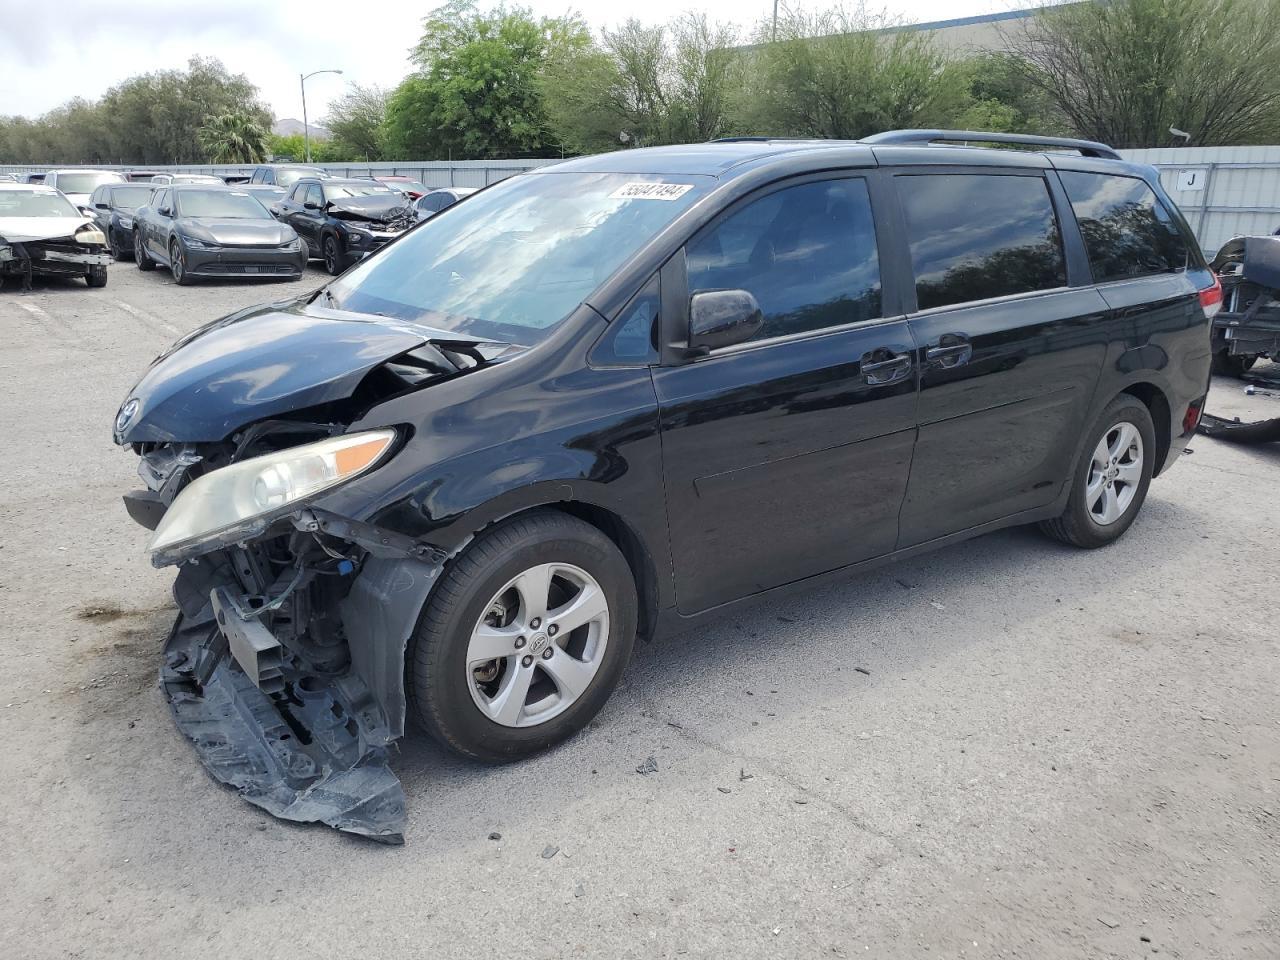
(951, 350)
(883, 366)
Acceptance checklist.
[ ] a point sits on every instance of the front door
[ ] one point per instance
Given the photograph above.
(1009, 353)
(788, 455)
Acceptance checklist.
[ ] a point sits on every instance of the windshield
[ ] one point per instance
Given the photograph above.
(130, 198)
(287, 178)
(29, 203)
(337, 191)
(86, 182)
(515, 260)
(195, 178)
(225, 204)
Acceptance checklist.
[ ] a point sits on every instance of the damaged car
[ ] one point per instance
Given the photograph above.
(626, 394)
(43, 233)
(343, 220)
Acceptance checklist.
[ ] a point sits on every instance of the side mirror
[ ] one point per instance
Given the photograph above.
(311, 205)
(87, 211)
(164, 211)
(102, 206)
(721, 318)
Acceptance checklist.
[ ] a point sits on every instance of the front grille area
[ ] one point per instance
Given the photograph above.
(259, 269)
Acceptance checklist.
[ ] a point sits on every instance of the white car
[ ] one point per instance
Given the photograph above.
(431, 203)
(42, 232)
(77, 184)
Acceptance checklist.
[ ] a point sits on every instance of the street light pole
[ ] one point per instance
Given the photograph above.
(306, 129)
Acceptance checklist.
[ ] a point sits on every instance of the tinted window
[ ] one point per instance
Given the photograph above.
(315, 195)
(975, 236)
(220, 204)
(160, 200)
(1127, 230)
(633, 338)
(807, 253)
(129, 198)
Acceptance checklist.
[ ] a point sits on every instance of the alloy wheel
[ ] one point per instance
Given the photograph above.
(331, 255)
(176, 266)
(538, 645)
(1115, 473)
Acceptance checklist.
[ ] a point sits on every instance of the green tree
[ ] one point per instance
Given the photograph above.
(1125, 71)
(643, 85)
(838, 74)
(356, 120)
(476, 91)
(233, 138)
(992, 91)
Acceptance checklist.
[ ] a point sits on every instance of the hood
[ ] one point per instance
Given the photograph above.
(262, 362)
(234, 232)
(28, 229)
(375, 206)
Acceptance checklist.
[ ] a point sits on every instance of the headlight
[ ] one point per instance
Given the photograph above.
(236, 496)
(293, 246)
(196, 243)
(91, 236)
(126, 223)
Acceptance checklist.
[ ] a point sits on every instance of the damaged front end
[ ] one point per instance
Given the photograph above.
(285, 667)
(68, 256)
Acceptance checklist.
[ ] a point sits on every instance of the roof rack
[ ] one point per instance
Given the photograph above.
(1087, 148)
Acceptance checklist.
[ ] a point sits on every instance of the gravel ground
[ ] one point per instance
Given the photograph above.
(1007, 748)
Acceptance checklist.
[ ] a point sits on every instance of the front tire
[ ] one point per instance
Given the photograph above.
(118, 251)
(1111, 479)
(334, 260)
(1227, 365)
(178, 264)
(97, 275)
(145, 263)
(524, 638)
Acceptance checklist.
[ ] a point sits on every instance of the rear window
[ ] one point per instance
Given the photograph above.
(1127, 231)
(975, 236)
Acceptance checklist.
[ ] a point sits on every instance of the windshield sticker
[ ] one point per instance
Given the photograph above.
(642, 190)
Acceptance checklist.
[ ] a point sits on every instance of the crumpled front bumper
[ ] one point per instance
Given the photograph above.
(315, 751)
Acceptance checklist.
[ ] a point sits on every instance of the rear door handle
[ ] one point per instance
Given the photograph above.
(883, 366)
(952, 350)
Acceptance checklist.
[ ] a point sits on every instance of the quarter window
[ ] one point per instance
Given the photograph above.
(807, 253)
(975, 236)
(1127, 231)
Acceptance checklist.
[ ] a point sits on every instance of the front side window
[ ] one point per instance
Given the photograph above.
(632, 340)
(976, 236)
(314, 195)
(513, 262)
(161, 200)
(806, 253)
(1127, 230)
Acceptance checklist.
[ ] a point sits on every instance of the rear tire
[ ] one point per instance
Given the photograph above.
(145, 263)
(1227, 365)
(493, 709)
(97, 275)
(1111, 479)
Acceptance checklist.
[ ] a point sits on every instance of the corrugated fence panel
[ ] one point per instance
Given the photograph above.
(1224, 192)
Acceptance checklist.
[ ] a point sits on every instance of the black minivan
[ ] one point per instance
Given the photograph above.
(618, 394)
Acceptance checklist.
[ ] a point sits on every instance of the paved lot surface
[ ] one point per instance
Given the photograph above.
(1008, 748)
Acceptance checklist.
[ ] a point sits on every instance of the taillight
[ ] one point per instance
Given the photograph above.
(1191, 419)
(1211, 299)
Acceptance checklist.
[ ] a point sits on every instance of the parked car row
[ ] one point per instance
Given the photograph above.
(197, 225)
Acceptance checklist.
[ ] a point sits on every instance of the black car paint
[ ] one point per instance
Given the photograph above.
(355, 238)
(594, 435)
(756, 470)
(111, 215)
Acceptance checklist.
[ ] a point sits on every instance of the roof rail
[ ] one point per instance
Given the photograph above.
(1087, 148)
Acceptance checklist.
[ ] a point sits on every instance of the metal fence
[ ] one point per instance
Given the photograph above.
(1224, 192)
(433, 173)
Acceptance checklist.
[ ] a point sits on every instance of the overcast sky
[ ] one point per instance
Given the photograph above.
(81, 48)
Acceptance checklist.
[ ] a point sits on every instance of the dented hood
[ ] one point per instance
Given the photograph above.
(374, 206)
(30, 229)
(263, 362)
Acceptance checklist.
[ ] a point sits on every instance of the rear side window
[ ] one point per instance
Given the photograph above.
(975, 236)
(807, 253)
(1127, 231)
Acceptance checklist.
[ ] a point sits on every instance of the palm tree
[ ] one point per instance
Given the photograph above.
(233, 138)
